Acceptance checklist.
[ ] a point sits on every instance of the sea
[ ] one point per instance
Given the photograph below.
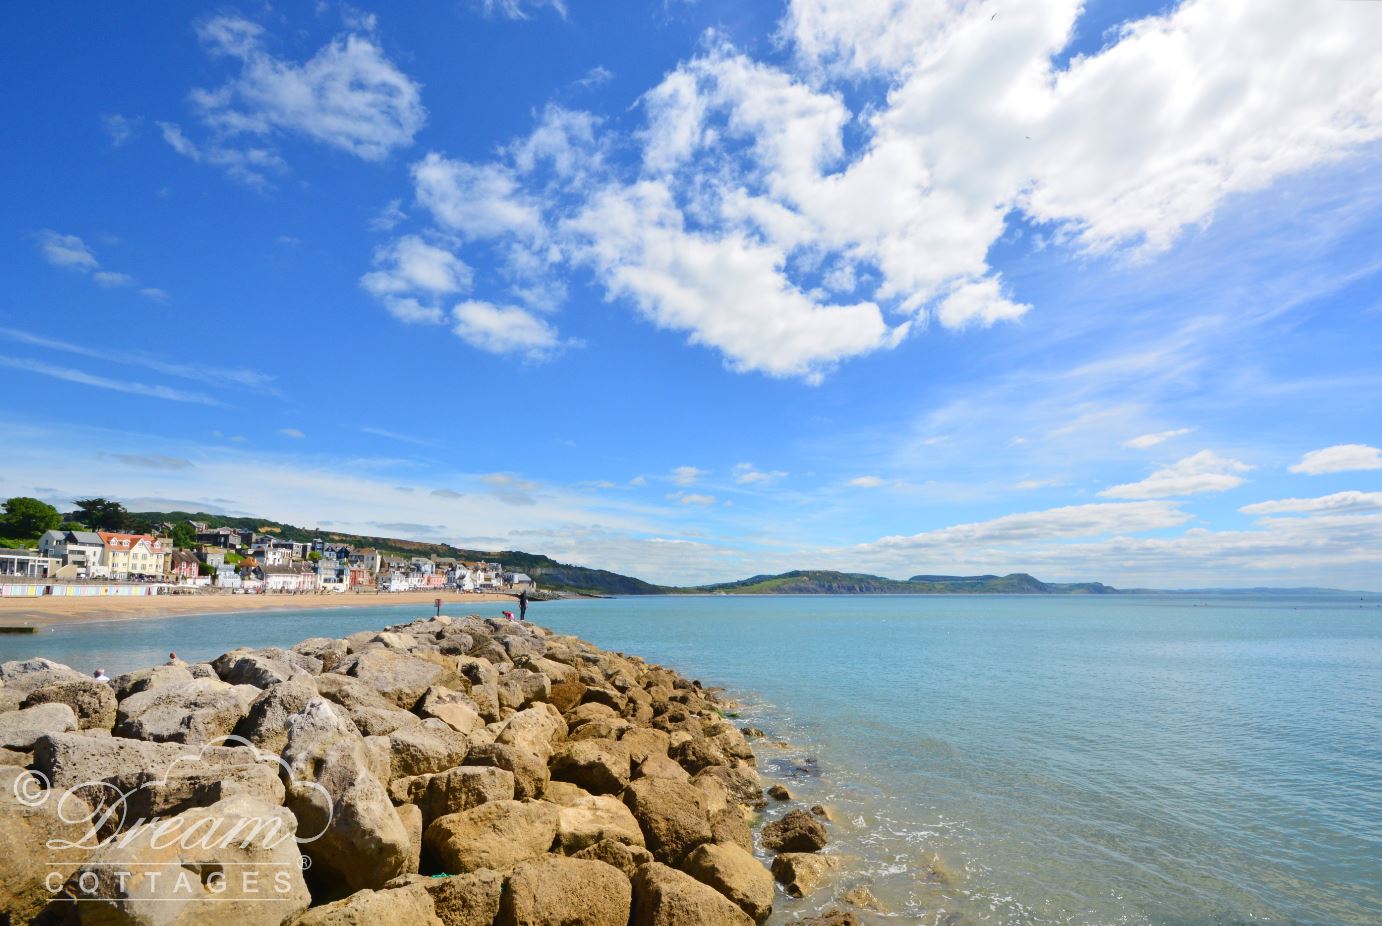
(1124, 759)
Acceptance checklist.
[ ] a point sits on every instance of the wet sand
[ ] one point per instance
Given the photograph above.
(47, 611)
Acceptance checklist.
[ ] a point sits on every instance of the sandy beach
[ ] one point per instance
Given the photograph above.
(47, 611)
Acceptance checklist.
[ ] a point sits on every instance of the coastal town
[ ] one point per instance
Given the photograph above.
(80, 562)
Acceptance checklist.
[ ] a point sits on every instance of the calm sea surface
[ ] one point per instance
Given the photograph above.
(1140, 760)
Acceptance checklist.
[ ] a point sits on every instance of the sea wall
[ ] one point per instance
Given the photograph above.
(444, 771)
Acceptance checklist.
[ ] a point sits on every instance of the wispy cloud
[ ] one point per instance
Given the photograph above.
(1205, 471)
(395, 436)
(748, 474)
(293, 433)
(72, 253)
(151, 460)
(101, 382)
(686, 475)
(1151, 440)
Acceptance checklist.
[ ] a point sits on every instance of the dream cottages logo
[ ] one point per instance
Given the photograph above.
(239, 849)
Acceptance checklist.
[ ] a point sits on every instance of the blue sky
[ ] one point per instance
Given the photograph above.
(698, 290)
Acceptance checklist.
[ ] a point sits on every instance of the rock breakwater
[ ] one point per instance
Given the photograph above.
(457, 771)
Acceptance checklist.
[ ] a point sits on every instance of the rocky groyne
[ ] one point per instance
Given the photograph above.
(459, 771)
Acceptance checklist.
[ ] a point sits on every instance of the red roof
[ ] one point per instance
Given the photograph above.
(130, 541)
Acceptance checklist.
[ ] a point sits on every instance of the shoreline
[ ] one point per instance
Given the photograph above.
(50, 611)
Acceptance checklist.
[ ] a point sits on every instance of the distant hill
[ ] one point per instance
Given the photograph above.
(826, 582)
(547, 572)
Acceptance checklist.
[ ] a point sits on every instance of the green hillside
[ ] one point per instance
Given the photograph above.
(825, 582)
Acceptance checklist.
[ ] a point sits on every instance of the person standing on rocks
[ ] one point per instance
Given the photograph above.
(523, 605)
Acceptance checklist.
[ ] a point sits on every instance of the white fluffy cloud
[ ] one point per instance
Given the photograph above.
(1341, 458)
(413, 276)
(748, 474)
(866, 482)
(791, 217)
(348, 95)
(504, 329)
(1143, 441)
(686, 475)
(1205, 471)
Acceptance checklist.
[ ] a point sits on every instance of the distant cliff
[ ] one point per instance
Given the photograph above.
(825, 582)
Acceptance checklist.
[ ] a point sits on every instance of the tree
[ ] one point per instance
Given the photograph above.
(100, 514)
(26, 517)
(183, 536)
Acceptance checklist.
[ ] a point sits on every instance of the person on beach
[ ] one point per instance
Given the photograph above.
(101, 676)
(173, 660)
(523, 605)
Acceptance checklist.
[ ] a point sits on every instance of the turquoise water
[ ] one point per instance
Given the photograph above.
(1139, 760)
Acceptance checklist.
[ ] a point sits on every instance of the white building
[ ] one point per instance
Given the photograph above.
(81, 549)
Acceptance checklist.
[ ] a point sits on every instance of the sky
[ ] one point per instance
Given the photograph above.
(700, 290)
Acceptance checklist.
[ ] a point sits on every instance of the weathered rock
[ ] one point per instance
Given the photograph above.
(860, 896)
(530, 772)
(409, 905)
(798, 831)
(822, 811)
(356, 836)
(453, 791)
(594, 818)
(19, 730)
(400, 678)
(519, 688)
(199, 711)
(625, 857)
(232, 863)
(663, 896)
(831, 918)
(132, 683)
(734, 872)
(264, 667)
(202, 670)
(372, 714)
(266, 723)
(455, 708)
(730, 826)
(93, 702)
(481, 680)
(741, 782)
(566, 694)
(585, 713)
(644, 742)
(411, 817)
(431, 746)
(800, 873)
(25, 675)
(556, 891)
(779, 793)
(671, 815)
(599, 766)
(496, 835)
(470, 899)
(538, 730)
(156, 779)
(325, 650)
(25, 828)
(660, 766)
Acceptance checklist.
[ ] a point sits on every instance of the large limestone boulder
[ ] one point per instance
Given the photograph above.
(19, 730)
(408, 905)
(455, 708)
(519, 688)
(140, 781)
(25, 830)
(539, 730)
(659, 765)
(626, 858)
(663, 896)
(800, 873)
(266, 723)
(734, 872)
(741, 782)
(470, 899)
(355, 837)
(556, 891)
(235, 862)
(132, 683)
(672, 816)
(400, 678)
(453, 791)
(496, 835)
(325, 650)
(264, 667)
(93, 702)
(370, 712)
(592, 818)
(25, 675)
(199, 711)
(833, 918)
(599, 766)
(431, 746)
(530, 772)
(643, 743)
(798, 831)
(481, 679)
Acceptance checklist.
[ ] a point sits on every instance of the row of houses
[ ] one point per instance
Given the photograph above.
(243, 559)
